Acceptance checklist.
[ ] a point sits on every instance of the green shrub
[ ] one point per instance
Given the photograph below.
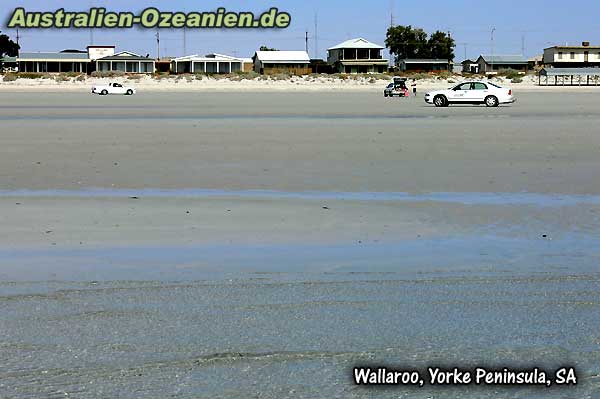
(516, 80)
(32, 75)
(134, 77)
(81, 78)
(10, 77)
(107, 74)
(509, 73)
(62, 78)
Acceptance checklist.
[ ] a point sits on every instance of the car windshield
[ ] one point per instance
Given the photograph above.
(496, 86)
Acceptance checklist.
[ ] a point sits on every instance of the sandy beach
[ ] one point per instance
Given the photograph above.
(170, 243)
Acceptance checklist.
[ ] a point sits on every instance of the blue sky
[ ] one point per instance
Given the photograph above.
(536, 22)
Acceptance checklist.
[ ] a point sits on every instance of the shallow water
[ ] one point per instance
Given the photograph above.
(472, 198)
(518, 286)
(291, 321)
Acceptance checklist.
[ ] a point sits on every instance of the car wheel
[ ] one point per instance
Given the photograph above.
(104, 92)
(385, 94)
(129, 92)
(440, 101)
(491, 101)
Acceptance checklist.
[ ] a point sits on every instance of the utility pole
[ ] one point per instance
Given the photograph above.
(316, 35)
(492, 45)
(391, 26)
(449, 47)
(18, 47)
(157, 44)
(306, 41)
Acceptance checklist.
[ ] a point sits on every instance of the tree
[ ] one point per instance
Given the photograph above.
(441, 46)
(409, 42)
(265, 48)
(7, 47)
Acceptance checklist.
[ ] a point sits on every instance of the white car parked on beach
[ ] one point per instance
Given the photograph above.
(113, 88)
(486, 93)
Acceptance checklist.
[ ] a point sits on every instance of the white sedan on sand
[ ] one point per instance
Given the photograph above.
(486, 93)
(113, 88)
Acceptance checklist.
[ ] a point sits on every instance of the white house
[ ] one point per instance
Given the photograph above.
(270, 62)
(357, 56)
(211, 63)
(125, 61)
(572, 56)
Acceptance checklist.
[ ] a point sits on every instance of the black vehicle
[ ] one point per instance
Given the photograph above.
(396, 88)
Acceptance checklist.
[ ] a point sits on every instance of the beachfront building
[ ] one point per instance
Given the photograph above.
(589, 76)
(125, 61)
(572, 56)
(63, 61)
(276, 61)
(492, 64)
(357, 56)
(8, 64)
(470, 66)
(211, 63)
(424, 65)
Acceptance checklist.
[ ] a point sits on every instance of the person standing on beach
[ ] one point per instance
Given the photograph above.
(414, 87)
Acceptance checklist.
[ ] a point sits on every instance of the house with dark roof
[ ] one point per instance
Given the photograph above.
(572, 56)
(357, 56)
(424, 65)
(125, 61)
(62, 61)
(273, 62)
(491, 64)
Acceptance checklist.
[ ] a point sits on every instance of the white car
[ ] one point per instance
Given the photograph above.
(113, 88)
(486, 93)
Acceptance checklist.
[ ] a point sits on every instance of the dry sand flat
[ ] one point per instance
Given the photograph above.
(233, 293)
(298, 142)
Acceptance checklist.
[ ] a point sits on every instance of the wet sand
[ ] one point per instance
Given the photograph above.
(235, 245)
(298, 142)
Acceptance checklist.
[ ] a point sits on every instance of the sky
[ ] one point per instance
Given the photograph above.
(520, 26)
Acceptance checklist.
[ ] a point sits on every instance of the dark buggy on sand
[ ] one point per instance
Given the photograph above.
(396, 88)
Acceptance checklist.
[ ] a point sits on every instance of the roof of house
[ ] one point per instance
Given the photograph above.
(578, 47)
(356, 43)
(213, 57)
(125, 56)
(504, 59)
(423, 61)
(569, 71)
(272, 57)
(53, 57)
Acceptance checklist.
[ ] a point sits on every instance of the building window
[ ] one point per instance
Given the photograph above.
(572, 55)
(560, 55)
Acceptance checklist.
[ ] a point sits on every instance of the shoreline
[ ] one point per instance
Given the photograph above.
(308, 83)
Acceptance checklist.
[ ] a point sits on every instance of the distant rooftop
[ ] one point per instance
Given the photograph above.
(504, 59)
(569, 71)
(423, 61)
(283, 56)
(53, 56)
(358, 43)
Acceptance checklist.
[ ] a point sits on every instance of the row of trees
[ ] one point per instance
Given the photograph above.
(409, 42)
(7, 47)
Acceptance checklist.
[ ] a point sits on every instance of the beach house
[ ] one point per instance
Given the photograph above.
(125, 61)
(491, 64)
(211, 63)
(424, 65)
(572, 56)
(54, 62)
(357, 56)
(272, 62)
